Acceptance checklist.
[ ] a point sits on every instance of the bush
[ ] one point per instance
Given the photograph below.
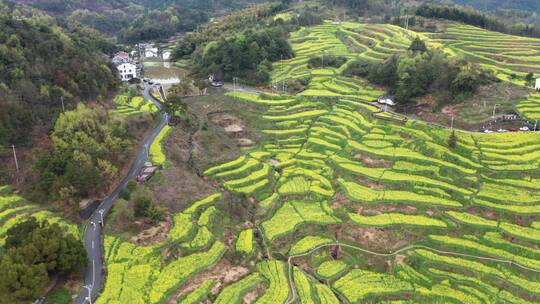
(59, 296)
(155, 214)
(131, 185)
(326, 61)
(125, 194)
(142, 204)
(144, 207)
(309, 18)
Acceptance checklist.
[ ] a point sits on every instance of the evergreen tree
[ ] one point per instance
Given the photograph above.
(34, 252)
(418, 45)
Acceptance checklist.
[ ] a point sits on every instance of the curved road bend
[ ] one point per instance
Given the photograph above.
(93, 277)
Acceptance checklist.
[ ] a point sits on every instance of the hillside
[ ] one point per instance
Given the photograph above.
(138, 20)
(40, 64)
(492, 5)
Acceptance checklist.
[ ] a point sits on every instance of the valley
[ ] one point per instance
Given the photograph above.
(289, 178)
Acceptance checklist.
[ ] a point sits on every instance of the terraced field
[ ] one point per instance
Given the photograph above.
(530, 108)
(350, 40)
(329, 171)
(340, 205)
(502, 53)
(14, 209)
(127, 105)
(509, 57)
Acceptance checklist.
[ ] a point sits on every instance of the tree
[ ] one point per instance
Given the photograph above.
(418, 45)
(87, 147)
(142, 205)
(16, 235)
(155, 214)
(452, 141)
(202, 84)
(529, 78)
(21, 283)
(33, 252)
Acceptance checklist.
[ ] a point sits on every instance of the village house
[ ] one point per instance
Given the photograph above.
(537, 84)
(127, 71)
(166, 55)
(151, 52)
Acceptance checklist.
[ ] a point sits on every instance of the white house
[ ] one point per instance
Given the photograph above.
(537, 84)
(127, 71)
(166, 55)
(151, 52)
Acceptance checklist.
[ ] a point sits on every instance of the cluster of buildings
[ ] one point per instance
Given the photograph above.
(128, 65)
(149, 50)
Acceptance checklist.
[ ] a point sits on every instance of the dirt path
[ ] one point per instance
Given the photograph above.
(395, 253)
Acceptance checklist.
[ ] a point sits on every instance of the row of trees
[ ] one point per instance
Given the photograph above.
(475, 18)
(33, 254)
(423, 72)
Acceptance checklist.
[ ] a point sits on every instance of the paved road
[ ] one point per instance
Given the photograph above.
(93, 277)
(241, 88)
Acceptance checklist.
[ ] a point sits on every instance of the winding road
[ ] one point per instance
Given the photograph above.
(93, 277)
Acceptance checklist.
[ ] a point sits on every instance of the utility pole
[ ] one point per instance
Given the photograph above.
(15, 157)
(452, 124)
(63, 107)
(535, 124)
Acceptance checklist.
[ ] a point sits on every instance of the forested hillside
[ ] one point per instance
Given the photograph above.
(489, 5)
(138, 20)
(39, 64)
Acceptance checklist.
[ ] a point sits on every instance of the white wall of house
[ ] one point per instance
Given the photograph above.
(537, 85)
(127, 71)
(151, 53)
(166, 55)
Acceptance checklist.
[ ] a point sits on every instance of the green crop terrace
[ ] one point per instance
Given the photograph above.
(502, 53)
(509, 57)
(14, 209)
(465, 204)
(126, 105)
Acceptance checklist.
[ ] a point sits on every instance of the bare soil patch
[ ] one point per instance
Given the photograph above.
(370, 183)
(371, 162)
(153, 235)
(223, 273)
